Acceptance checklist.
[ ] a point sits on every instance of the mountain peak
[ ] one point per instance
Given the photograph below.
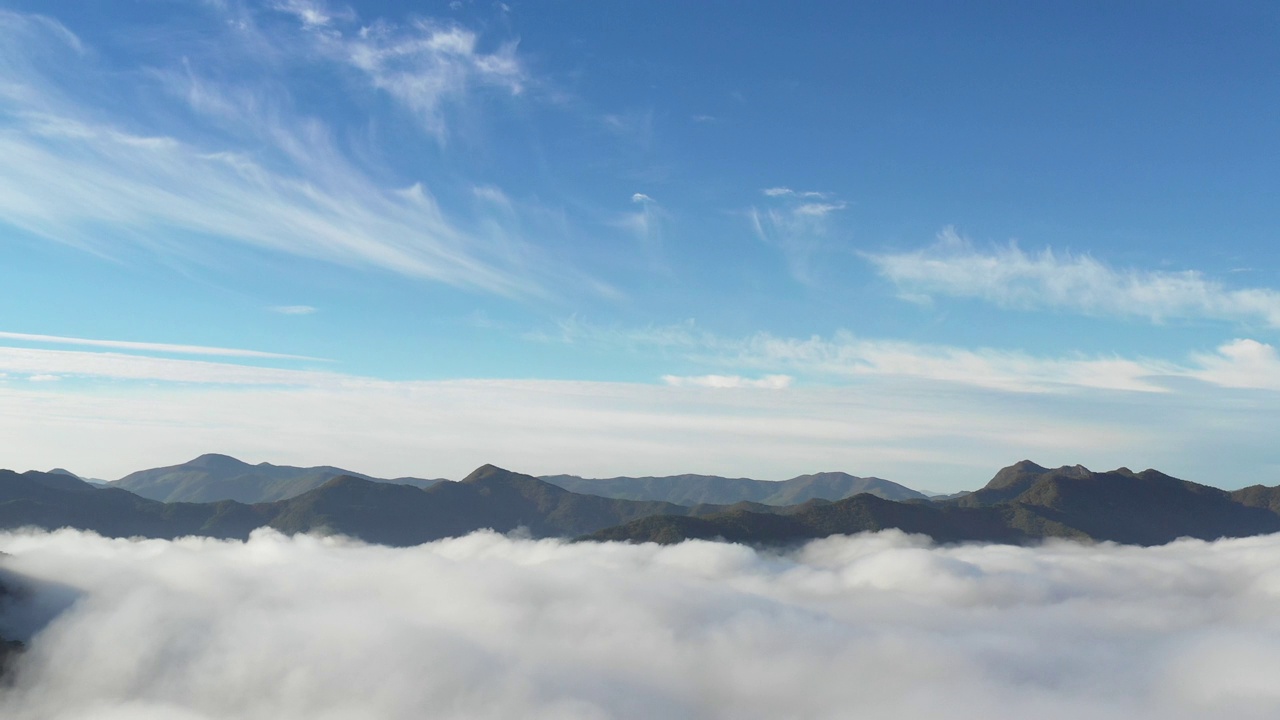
(344, 481)
(486, 471)
(216, 460)
(1020, 473)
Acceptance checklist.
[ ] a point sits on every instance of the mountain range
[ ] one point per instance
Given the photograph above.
(716, 490)
(379, 512)
(1022, 503)
(213, 477)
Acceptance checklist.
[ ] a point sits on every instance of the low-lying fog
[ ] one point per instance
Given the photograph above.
(875, 626)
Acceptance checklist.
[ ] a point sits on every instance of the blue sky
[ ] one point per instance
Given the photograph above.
(915, 240)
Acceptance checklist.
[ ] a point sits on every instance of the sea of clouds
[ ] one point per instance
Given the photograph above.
(873, 626)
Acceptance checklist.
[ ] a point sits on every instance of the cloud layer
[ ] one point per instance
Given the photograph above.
(484, 626)
(938, 418)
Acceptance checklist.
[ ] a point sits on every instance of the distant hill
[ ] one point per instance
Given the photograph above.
(489, 497)
(213, 477)
(92, 481)
(713, 489)
(379, 512)
(1022, 502)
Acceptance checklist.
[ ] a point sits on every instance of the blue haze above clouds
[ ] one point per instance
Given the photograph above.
(914, 241)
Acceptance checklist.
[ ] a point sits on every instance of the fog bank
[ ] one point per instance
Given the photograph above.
(874, 626)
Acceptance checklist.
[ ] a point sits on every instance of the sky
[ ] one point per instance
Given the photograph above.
(920, 241)
(486, 626)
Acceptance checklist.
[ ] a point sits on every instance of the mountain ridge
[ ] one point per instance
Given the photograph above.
(692, 489)
(1022, 503)
(213, 477)
(377, 512)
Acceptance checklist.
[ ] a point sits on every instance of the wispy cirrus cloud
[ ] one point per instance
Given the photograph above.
(645, 223)
(293, 309)
(258, 174)
(782, 191)
(426, 64)
(311, 13)
(845, 357)
(796, 223)
(44, 363)
(157, 347)
(1010, 277)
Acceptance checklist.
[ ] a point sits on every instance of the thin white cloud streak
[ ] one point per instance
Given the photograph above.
(1011, 371)
(73, 177)
(778, 192)
(881, 626)
(770, 382)
(1010, 277)
(844, 357)
(819, 209)
(122, 366)
(294, 309)
(797, 225)
(164, 347)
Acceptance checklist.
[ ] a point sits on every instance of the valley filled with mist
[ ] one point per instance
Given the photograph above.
(882, 625)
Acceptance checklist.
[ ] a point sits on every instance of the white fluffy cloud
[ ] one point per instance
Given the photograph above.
(1010, 277)
(881, 626)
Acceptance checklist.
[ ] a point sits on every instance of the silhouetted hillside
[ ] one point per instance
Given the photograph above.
(716, 490)
(373, 511)
(213, 477)
(1022, 502)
